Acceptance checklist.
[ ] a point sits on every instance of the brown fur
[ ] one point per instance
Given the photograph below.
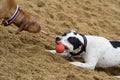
(24, 21)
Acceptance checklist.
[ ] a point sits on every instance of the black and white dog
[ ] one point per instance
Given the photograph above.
(96, 51)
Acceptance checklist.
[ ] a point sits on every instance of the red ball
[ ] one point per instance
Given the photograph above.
(60, 48)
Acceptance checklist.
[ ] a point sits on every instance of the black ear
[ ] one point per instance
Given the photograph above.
(75, 42)
(115, 44)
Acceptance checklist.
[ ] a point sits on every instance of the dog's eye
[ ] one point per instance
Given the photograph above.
(75, 33)
(64, 34)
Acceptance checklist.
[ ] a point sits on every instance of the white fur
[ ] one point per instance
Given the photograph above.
(99, 52)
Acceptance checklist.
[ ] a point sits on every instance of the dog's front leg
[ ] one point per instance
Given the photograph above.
(91, 59)
(83, 65)
(52, 51)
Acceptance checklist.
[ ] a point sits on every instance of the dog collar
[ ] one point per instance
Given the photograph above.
(83, 48)
(7, 21)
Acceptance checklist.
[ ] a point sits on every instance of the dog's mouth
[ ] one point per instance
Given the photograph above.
(66, 48)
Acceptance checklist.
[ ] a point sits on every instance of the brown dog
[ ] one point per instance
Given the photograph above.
(11, 13)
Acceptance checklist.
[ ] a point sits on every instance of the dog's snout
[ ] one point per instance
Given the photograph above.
(58, 38)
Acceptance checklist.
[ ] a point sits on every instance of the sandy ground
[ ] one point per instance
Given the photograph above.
(23, 56)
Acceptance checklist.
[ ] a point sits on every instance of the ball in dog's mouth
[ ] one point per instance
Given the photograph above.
(60, 48)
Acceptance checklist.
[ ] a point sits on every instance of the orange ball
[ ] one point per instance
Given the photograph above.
(60, 48)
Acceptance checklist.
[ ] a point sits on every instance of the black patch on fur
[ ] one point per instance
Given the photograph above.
(115, 44)
(75, 42)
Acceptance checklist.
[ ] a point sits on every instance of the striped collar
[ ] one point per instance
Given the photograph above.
(8, 21)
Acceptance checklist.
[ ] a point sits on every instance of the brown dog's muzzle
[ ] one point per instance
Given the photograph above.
(32, 27)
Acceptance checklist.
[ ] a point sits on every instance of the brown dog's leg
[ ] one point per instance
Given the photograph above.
(20, 29)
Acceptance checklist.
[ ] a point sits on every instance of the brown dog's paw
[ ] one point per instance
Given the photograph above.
(20, 29)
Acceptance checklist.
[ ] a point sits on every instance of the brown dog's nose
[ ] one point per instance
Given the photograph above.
(37, 29)
(34, 28)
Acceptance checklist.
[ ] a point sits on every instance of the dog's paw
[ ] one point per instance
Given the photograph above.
(75, 63)
(51, 51)
(117, 76)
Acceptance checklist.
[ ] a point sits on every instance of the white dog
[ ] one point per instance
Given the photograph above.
(96, 51)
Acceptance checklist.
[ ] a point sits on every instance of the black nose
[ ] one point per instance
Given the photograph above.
(58, 38)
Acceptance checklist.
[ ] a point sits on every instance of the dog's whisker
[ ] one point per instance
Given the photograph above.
(44, 32)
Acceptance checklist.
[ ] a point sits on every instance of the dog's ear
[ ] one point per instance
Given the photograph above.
(75, 42)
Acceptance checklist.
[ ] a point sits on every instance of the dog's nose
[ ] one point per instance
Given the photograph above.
(58, 38)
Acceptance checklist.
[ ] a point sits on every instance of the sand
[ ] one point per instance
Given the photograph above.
(23, 56)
